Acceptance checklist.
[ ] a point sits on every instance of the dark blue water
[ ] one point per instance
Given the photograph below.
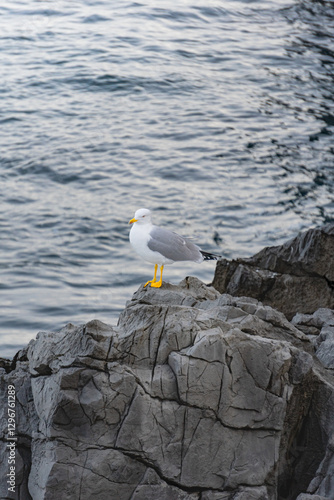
(219, 116)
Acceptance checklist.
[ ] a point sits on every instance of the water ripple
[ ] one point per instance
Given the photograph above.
(221, 119)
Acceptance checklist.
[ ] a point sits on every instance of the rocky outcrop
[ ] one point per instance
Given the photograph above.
(320, 328)
(194, 395)
(295, 277)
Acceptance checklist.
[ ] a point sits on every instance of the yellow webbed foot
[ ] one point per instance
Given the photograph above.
(151, 281)
(154, 277)
(157, 284)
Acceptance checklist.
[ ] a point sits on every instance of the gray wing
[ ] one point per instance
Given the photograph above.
(173, 246)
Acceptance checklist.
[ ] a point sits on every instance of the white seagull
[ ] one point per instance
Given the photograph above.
(161, 246)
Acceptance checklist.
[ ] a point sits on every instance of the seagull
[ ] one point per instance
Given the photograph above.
(160, 246)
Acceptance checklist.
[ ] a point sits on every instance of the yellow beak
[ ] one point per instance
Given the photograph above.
(132, 221)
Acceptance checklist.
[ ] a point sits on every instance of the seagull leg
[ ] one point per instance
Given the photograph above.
(154, 277)
(157, 284)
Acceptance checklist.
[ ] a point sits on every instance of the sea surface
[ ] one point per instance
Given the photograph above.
(216, 115)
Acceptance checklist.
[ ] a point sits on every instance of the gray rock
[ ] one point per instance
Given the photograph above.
(325, 351)
(295, 277)
(307, 496)
(194, 395)
(26, 424)
(322, 321)
(256, 493)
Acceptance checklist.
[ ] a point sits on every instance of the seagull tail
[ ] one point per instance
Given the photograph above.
(210, 256)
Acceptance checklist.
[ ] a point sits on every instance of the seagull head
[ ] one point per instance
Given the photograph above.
(142, 216)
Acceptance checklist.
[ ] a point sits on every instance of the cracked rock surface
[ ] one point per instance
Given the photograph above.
(193, 395)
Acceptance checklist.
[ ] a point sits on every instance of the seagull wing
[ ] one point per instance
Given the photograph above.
(173, 246)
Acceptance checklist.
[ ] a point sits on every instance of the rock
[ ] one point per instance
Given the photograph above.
(193, 395)
(5, 365)
(322, 324)
(307, 496)
(25, 425)
(295, 277)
